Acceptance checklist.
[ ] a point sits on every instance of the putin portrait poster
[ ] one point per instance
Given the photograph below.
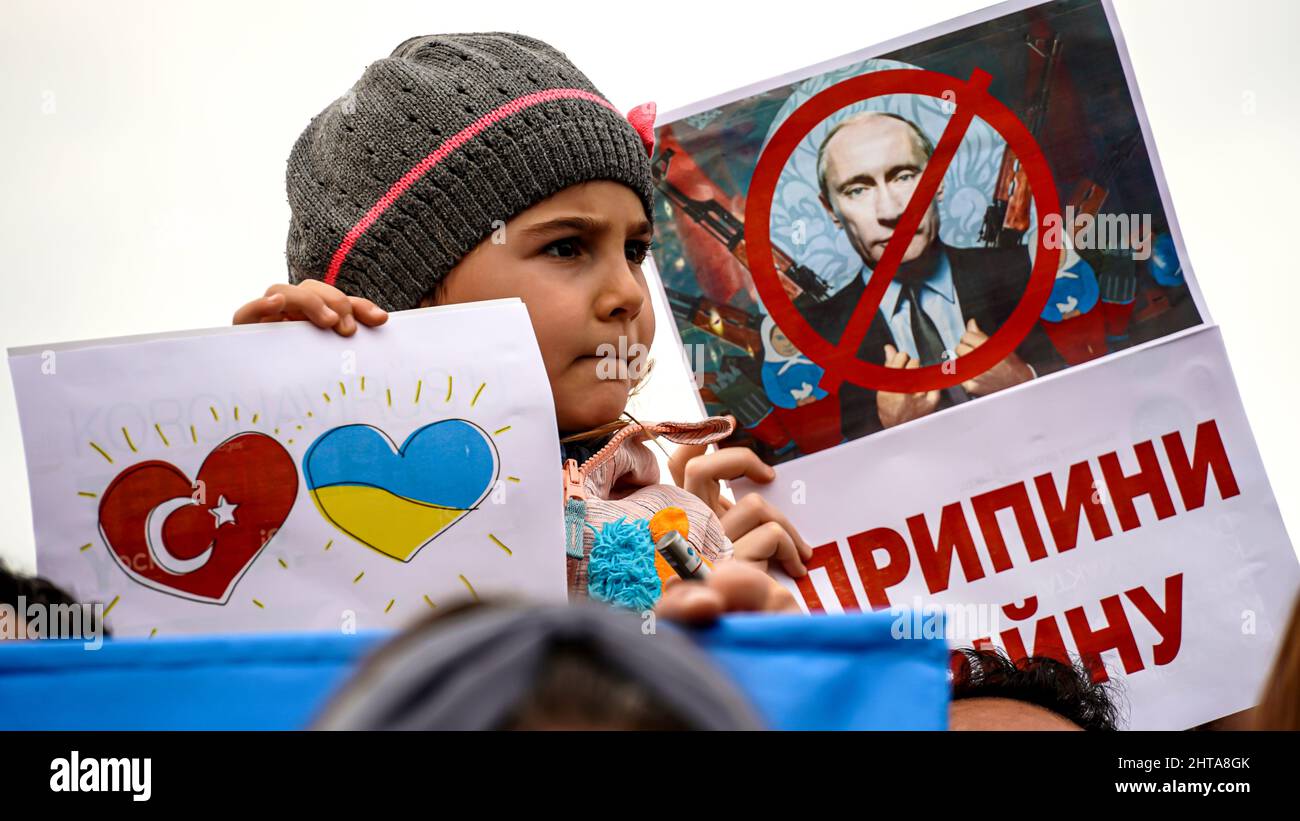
(940, 285)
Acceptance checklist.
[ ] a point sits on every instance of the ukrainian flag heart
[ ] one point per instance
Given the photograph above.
(397, 500)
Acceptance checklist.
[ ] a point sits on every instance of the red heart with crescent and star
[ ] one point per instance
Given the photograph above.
(197, 539)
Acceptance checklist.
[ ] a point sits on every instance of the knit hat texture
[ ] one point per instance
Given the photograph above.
(438, 146)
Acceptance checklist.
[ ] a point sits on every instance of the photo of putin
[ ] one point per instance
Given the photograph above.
(943, 302)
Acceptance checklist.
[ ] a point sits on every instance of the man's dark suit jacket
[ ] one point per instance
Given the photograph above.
(989, 283)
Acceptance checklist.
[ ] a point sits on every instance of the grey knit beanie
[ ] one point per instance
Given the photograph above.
(468, 671)
(395, 182)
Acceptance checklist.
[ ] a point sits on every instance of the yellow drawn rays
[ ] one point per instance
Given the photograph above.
(499, 544)
(129, 441)
(469, 586)
(143, 438)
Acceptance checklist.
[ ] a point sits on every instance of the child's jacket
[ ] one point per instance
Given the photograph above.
(621, 481)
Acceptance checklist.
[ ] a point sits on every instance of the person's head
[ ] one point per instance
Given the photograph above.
(781, 343)
(21, 592)
(469, 167)
(503, 666)
(991, 692)
(867, 167)
(575, 260)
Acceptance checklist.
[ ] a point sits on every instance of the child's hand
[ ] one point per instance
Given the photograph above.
(732, 587)
(758, 531)
(323, 305)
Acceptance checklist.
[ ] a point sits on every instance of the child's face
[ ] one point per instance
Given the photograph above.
(575, 261)
(781, 344)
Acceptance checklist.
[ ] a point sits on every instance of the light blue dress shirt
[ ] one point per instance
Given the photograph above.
(938, 301)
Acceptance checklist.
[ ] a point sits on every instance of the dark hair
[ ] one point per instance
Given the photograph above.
(1065, 689)
(38, 591)
(578, 689)
(515, 665)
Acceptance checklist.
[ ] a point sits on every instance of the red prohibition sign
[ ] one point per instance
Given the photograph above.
(840, 361)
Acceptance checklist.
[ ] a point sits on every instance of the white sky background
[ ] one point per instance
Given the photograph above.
(143, 147)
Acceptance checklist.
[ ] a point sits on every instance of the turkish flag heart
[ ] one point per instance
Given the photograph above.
(196, 539)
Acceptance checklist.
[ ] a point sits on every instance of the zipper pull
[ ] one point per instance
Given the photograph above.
(574, 487)
(575, 509)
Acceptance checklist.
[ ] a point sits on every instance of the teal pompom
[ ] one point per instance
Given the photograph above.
(622, 566)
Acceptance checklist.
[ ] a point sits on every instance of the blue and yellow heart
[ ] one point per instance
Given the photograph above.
(397, 500)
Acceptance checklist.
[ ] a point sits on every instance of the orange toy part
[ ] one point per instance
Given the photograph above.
(670, 518)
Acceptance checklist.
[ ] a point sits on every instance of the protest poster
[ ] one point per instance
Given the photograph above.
(941, 286)
(278, 476)
(1099, 271)
(1147, 541)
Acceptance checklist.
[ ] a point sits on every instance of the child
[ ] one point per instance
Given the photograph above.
(790, 378)
(793, 383)
(478, 166)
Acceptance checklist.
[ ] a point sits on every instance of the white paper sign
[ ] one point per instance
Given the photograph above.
(274, 477)
(1119, 508)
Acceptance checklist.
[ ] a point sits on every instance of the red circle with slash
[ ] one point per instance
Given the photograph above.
(840, 361)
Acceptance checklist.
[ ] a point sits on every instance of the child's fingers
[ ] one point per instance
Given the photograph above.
(367, 312)
(259, 310)
(689, 602)
(731, 587)
(337, 302)
(314, 309)
(703, 475)
(780, 600)
(300, 302)
(677, 461)
(743, 588)
(770, 542)
(323, 305)
(728, 463)
(753, 510)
